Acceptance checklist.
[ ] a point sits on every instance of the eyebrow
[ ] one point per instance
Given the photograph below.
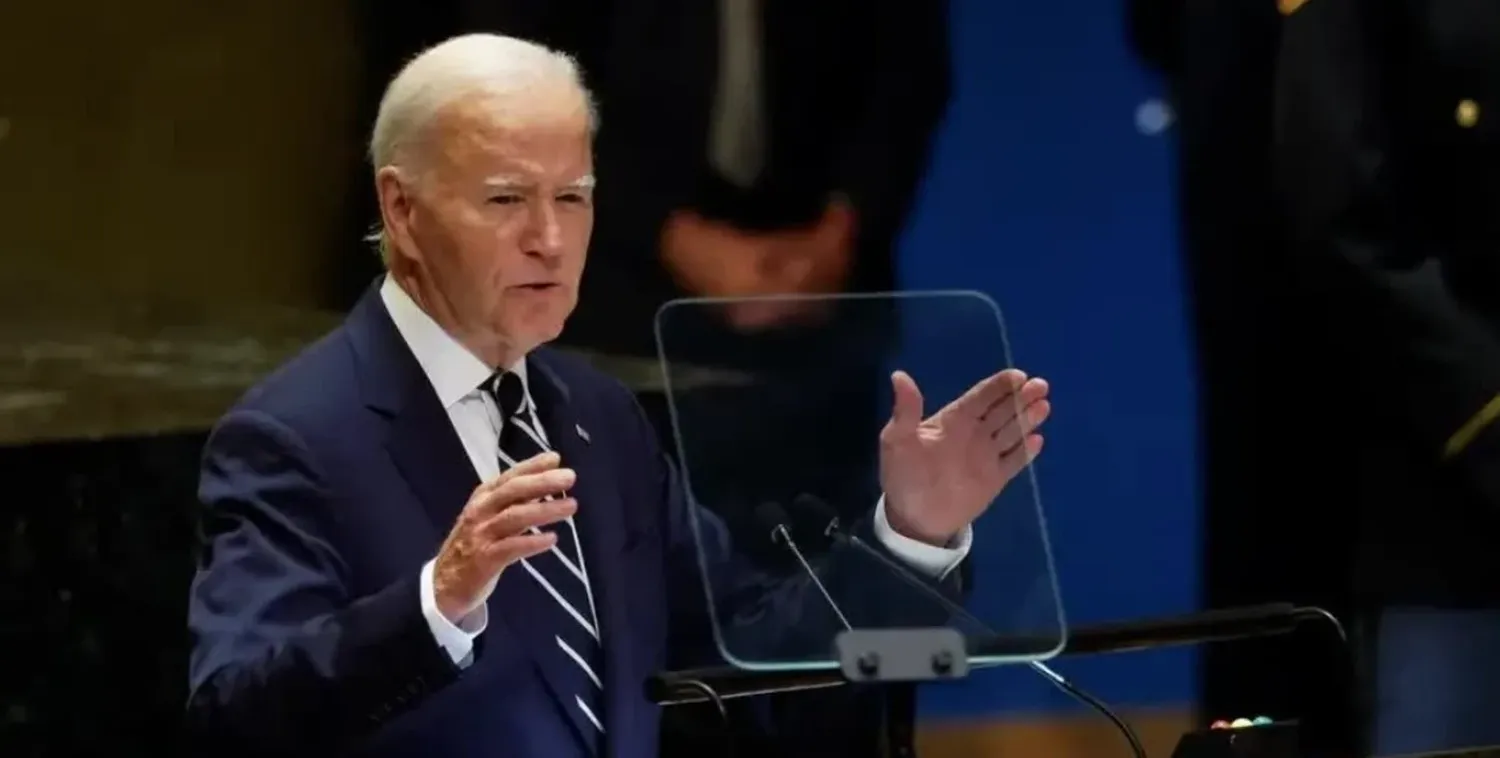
(509, 182)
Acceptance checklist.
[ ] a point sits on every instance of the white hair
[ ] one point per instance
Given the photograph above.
(455, 70)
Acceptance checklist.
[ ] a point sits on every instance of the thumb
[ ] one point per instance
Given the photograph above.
(906, 411)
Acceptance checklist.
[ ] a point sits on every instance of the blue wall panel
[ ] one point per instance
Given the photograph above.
(1046, 195)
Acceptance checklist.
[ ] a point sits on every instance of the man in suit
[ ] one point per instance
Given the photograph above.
(1388, 142)
(754, 147)
(428, 534)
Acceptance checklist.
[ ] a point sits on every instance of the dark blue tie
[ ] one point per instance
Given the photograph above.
(560, 571)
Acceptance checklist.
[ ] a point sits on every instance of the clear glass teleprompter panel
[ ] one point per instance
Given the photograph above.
(786, 442)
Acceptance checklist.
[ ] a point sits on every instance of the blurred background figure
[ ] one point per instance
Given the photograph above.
(1388, 145)
(1218, 60)
(752, 148)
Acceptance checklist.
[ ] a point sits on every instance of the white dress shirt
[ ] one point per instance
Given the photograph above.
(456, 374)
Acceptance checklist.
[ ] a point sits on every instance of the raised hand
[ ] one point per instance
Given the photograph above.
(940, 473)
(491, 532)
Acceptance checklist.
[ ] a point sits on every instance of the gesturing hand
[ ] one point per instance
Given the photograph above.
(940, 473)
(491, 532)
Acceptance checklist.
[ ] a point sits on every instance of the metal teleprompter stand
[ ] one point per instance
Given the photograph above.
(901, 655)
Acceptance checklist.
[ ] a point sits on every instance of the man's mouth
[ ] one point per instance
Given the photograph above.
(539, 286)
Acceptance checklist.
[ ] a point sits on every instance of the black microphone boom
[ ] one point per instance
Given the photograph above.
(1188, 629)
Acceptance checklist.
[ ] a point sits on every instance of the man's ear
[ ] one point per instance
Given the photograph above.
(394, 193)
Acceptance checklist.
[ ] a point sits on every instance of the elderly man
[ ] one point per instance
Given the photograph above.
(427, 535)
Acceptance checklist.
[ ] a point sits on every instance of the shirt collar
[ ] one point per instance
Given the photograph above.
(453, 371)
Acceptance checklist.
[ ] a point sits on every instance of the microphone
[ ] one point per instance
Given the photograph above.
(771, 516)
(820, 512)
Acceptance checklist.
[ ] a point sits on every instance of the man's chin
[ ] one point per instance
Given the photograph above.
(536, 323)
(538, 334)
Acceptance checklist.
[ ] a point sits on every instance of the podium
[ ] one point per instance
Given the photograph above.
(1241, 738)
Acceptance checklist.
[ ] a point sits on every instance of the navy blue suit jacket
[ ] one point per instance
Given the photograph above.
(326, 489)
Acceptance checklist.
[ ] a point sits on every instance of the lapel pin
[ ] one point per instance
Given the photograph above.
(582, 433)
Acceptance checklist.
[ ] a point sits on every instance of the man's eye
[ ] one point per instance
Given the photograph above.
(505, 199)
(573, 197)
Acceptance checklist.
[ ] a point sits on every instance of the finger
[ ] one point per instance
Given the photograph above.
(1011, 406)
(1005, 401)
(519, 518)
(1016, 461)
(1034, 389)
(533, 465)
(518, 548)
(529, 487)
(989, 392)
(906, 411)
(525, 488)
(1011, 433)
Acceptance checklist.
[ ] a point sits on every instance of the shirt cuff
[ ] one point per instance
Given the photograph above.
(456, 639)
(934, 561)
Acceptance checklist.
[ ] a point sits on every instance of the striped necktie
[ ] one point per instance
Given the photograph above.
(560, 572)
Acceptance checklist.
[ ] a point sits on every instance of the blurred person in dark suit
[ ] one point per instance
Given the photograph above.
(1217, 59)
(778, 146)
(1388, 146)
(755, 147)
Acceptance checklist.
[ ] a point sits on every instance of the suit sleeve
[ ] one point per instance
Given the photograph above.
(769, 616)
(284, 656)
(905, 97)
(1345, 155)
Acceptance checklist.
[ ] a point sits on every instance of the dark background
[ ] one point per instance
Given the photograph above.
(210, 157)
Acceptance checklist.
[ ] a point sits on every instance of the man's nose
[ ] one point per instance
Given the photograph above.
(544, 237)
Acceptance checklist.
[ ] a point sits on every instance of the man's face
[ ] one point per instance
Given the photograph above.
(499, 221)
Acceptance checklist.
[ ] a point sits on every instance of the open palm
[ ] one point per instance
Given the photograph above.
(940, 473)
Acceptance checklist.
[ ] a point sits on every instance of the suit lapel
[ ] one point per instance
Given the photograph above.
(602, 532)
(422, 442)
(431, 458)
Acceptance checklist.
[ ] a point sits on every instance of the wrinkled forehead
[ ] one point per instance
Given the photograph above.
(541, 137)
